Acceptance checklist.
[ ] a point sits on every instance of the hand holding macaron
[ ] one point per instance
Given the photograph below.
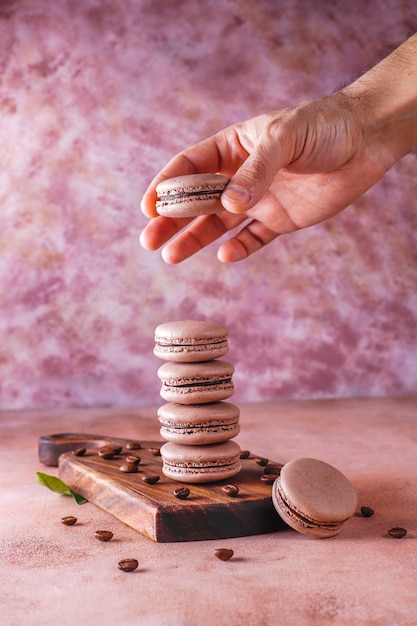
(293, 167)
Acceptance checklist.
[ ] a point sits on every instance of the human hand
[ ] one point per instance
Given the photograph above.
(289, 169)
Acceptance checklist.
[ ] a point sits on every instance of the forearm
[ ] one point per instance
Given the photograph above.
(386, 99)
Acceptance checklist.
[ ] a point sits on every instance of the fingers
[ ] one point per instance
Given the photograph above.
(159, 230)
(202, 232)
(251, 238)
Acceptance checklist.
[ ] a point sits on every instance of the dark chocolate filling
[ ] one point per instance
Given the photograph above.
(194, 427)
(187, 194)
(189, 345)
(207, 383)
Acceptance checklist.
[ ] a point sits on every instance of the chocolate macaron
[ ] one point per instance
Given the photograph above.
(191, 195)
(199, 424)
(190, 340)
(196, 383)
(313, 497)
(200, 464)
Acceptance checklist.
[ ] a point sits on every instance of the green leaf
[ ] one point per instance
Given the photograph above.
(55, 484)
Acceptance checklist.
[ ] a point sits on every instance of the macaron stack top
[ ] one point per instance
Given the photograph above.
(197, 422)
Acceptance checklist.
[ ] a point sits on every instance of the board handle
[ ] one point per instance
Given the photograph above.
(51, 447)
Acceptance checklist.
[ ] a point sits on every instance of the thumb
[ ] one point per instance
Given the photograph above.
(253, 179)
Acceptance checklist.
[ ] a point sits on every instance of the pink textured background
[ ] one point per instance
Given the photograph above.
(95, 97)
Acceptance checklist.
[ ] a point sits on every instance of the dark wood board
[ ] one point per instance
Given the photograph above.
(153, 510)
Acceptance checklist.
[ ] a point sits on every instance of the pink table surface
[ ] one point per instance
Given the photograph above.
(52, 574)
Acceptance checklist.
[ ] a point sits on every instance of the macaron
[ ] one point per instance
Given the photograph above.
(190, 340)
(191, 195)
(200, 464)
(196, 383)
(199, 424)
(313, 497)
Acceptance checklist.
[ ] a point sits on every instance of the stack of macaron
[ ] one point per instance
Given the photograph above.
(197, 422)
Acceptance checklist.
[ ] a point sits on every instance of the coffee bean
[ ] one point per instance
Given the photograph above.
(261, 462)
(103, 535)
(269, 479)
(397, 532)
(129, 468)
(150, 479)
(135, 460)
(231, 490)
(244, 454)
(106, 453)
(181, 493)
(155, 451)
(133, 445)
(273, 469)
(69, 520)
(224, 554)
(80, 452)
(128, 565)
(366, 511)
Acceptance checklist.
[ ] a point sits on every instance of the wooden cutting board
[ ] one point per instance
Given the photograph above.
(153, 509)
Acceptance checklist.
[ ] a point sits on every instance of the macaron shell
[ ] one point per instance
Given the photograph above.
(313, 497)
(191, 195)
(300, 524)
(190, 341)
(199, 424)
(200, 464)
(196, 383)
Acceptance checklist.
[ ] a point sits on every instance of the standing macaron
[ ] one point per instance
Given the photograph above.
(196, 383)
(191, 195)
(313, 497)
(190, 340)
(199, 424)
(200, 464)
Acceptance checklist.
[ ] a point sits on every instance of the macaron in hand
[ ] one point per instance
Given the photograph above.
(190, 340)
(191, 195)
(313, 497)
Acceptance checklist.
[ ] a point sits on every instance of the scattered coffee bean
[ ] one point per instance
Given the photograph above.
(155, 451)
(224, 554)
(128, 565)
(231, 490)
(273, 469)
(244, 454)
(103, 535)
(366, 511)
(133, 445)
(150, 479)
(181, 493)
(107, 453)
(269, 479)
(129, 468)
(69, 520)
(261, 462)
(397, 533)
(80, 452)
(135, 460)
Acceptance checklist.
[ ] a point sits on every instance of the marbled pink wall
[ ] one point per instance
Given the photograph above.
(95, 96)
